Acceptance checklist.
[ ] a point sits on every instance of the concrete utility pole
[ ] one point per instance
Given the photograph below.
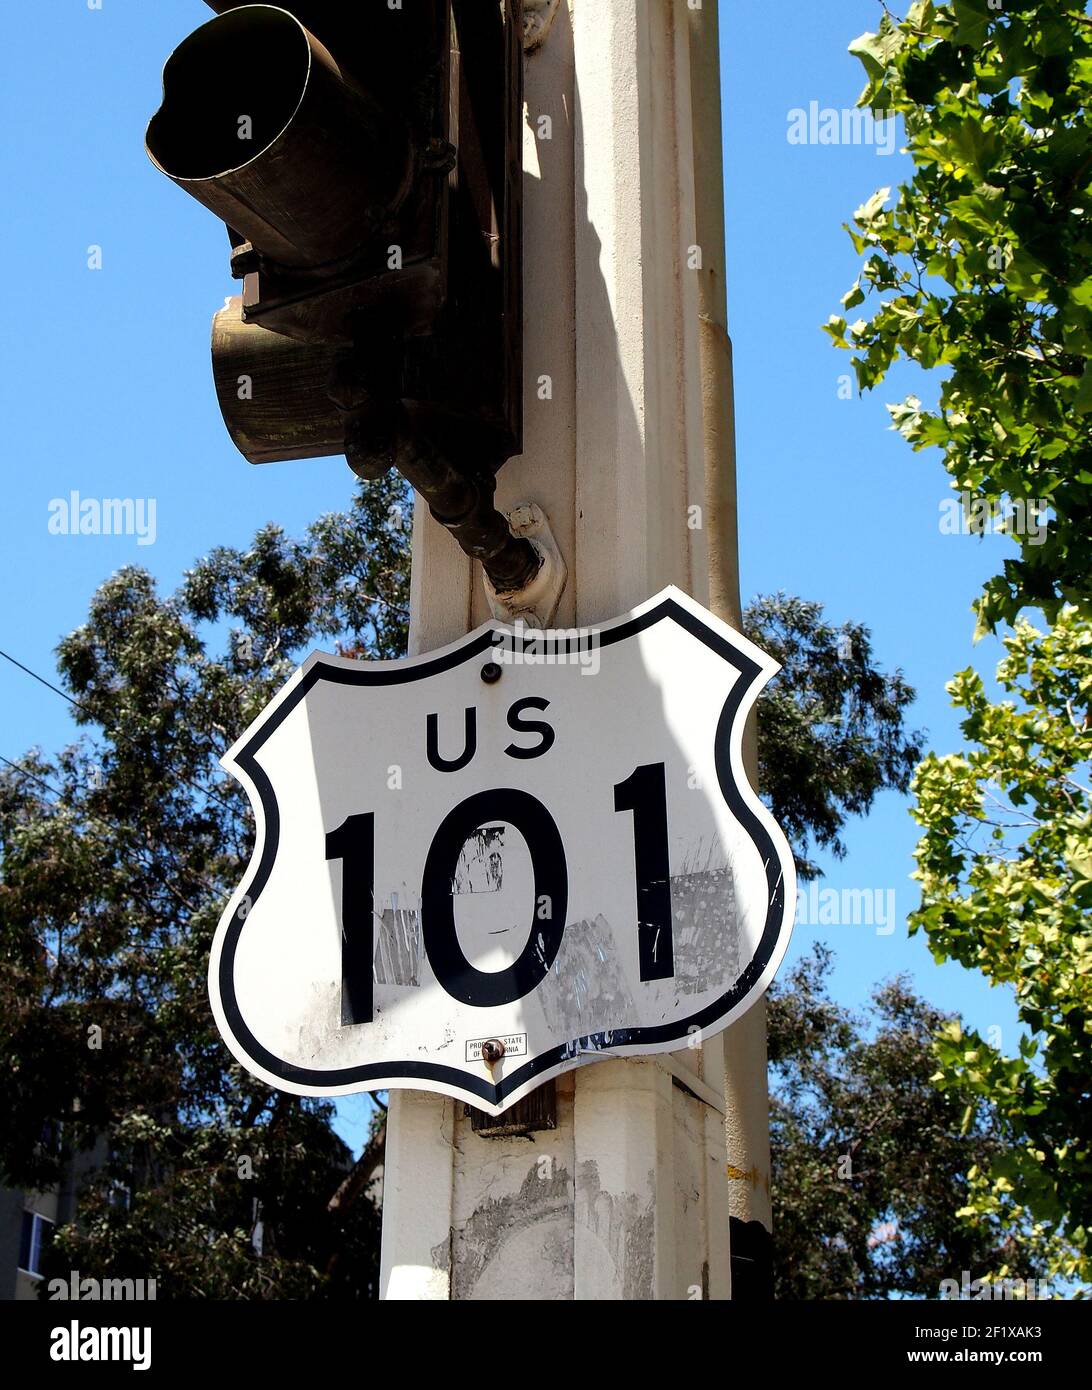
(629, 450)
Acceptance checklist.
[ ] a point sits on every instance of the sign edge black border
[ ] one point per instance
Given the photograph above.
(602, 1043)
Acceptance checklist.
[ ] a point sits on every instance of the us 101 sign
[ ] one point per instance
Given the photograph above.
(478, 868)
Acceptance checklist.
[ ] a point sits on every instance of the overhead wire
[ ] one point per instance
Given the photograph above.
(34, 777)
(111, 732)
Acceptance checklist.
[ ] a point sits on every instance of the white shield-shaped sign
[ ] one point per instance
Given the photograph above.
(479, 868)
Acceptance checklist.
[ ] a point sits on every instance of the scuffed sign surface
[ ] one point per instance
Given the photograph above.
(569, 855)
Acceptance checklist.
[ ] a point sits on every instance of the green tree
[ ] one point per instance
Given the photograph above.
(1005, 866)
(869, 1157)
(983, 267)
(119, 854)
(831, 731)
(118, 857)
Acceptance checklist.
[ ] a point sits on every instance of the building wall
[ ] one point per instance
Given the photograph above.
(57, 1205)
(16, 1283)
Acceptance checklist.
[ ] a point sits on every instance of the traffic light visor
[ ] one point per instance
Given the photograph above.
(259, 124)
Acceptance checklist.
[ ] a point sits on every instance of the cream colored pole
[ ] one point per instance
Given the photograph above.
(629, 1197)
(747, 1099)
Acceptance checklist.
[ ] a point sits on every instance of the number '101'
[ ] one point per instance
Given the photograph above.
(644, 794)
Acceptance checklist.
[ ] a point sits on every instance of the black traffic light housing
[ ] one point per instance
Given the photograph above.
(365, 156)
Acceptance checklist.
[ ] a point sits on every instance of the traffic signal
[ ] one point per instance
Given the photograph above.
(366, 160)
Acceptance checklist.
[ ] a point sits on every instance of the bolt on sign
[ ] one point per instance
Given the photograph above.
(482, 867)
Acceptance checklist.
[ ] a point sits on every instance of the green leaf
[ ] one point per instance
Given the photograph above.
(1082, 402)
(876, 51)
(869, 211)
(972, 20)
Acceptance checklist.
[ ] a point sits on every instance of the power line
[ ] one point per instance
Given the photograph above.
(24, 772)
(42, 680)
(114, 733)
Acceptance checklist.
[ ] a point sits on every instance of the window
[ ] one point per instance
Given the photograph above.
(36, 1235)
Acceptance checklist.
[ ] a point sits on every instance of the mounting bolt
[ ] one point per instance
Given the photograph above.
(491, 674)
(492, 1052)
(245, 260)
(440, 157)
(535, 602)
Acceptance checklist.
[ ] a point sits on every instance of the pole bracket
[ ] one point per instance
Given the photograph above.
(536, 603)
(538, 17)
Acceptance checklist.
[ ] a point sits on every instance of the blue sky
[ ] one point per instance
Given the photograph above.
(835, 506)
(107, 389)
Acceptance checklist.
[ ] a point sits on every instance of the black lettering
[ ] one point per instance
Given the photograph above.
(481, 988)
(470, 742)
(530, 726)
(353, 842)
(645, 794)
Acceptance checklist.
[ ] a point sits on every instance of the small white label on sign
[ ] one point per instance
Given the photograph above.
(515, 1045)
